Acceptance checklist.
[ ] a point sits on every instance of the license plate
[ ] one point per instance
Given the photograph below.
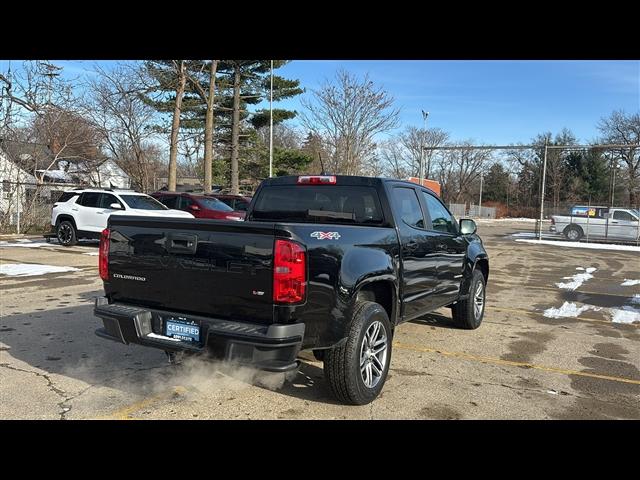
(182, 329)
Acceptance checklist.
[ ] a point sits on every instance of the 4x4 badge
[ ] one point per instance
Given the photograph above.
(326, 235)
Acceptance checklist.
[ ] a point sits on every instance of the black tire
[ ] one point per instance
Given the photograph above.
(464, 312)
(573, 233)
(66, 233)
(342, 365)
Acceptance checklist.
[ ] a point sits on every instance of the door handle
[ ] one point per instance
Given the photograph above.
(412, 245)
(614, 222)
(100, 213)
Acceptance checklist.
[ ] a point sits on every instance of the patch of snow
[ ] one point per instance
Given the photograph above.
(568, 309)
(629, 283)
(29, 270)
(92, 253)
(24, 244)
(553, 392)
(577, 279)
(491, 220)
(593, 246)
(579, 268)
(625, 315)
(636, 298)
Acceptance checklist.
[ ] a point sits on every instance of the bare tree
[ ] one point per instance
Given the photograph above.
(41, 109)
(459, 169)
(622, 128)
(207, 94)
(117, 109)
(347, 114)
(413, 139)
(396, 161)
(181, 71)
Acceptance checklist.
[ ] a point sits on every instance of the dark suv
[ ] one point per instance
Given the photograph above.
(200, 206)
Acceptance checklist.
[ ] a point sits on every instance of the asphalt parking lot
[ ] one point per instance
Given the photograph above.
(530, 359)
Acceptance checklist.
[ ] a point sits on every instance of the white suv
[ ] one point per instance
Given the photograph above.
(83, 213)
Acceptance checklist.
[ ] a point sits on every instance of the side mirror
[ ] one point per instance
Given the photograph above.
(468, 226)
(115, 206)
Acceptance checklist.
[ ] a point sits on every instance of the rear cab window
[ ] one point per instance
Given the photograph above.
(358, 205)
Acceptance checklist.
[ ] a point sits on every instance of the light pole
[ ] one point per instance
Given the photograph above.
(271, 125)
(422, 138)
(480, 201)
(544, 174)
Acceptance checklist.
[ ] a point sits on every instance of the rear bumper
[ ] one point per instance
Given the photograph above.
(272, 348)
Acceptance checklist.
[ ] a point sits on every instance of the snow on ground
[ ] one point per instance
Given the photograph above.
(628, 283)
(636, 298)
(491, 220)
(29, 270)
(577, 279)
(24, 243)
(618, 315)
(568, 309)
(92, 253)
(625, 315)
(594, 246)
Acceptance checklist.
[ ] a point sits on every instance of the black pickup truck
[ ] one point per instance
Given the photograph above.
(328, 263)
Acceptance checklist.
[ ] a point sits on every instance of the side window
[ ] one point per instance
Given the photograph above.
(441, 219)
(227, 201)
(408, 206)
(107, 199)
(90, 199)
(620, 215)
(185, 202)
(241, 205)
(169, 201)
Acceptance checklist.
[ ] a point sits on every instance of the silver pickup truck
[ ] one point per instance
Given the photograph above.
(598, 223)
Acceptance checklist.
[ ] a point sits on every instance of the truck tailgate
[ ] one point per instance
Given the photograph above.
(203, 267)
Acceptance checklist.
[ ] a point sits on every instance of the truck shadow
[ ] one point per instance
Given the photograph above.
(61, 341)
(435, 320)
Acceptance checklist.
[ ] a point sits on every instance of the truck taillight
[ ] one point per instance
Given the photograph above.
(103, 258)
(317, 180)
(289, 272)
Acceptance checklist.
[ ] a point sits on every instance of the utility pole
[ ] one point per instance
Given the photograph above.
(544, 174)
(271, 125)
(422, 137)
(480, 202)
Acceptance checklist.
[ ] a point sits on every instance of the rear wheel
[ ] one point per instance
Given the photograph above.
(469, 313)
(573, 233)
(66, 233)
(357, 370)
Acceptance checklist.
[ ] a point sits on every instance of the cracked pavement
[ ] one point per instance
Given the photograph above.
(517, 365)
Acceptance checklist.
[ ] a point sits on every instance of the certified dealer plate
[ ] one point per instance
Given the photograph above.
(182, 329)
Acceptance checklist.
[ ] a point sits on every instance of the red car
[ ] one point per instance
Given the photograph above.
(200, 206)
(239, 203)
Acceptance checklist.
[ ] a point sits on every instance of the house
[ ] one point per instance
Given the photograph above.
(40, 161)
(16, 187)
(107, 174)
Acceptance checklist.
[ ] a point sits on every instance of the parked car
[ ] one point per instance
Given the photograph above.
(83, 213)
(598, 223)
(327, 263)
(239, 203)
(199, 205)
